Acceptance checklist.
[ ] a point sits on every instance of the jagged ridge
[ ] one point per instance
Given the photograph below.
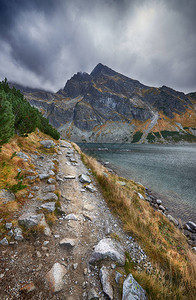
(107, 106)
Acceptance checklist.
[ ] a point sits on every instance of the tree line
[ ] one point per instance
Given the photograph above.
(18, 116)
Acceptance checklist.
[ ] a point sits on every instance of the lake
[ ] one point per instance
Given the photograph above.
(168, 170)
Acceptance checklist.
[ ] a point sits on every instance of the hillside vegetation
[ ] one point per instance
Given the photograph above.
(18, 116)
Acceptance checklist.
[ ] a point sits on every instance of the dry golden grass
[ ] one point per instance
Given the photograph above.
(51, 218)
(10, 178)
(174, 264)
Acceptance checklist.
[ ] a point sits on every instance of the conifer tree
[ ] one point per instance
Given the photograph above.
(6, 121)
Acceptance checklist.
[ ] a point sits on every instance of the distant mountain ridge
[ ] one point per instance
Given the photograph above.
(106, 106)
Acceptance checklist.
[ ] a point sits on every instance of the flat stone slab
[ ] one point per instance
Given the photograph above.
(132, 290)
(44, 176)
(71, 217)
(69, 177)
(49, 188)
(55, 277)
(108, 248)
(50, 196)
(66, 242)
(50, 206)
(105, 281)
(84, 178)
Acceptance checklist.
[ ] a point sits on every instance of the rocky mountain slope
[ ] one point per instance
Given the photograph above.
(106, 106)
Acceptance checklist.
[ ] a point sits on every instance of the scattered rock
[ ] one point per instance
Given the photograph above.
(108, 249)
(35, 188)
(75, 266)
(23, 156)
(31, 177)
(45, 243)
(44, 176)
(88, 207)
(105, 281)
(4, 242)
(51, 180)
(50, 206)
(50, 188)
(69, 177)
(70, 217)
(90, 188)
(92, 294)
(84, 178)
(50, 196)
(51, 173)
(28, 220)
(55, 277)
(58, 178)
(70, 243)
(190, 226)
(161, 207)
(88, 217)
(140, 196)
(47, 144)
(122, 183)
(30, 196)
(6, 196)
(158, 201)
(173, 220)
(27, 288)
(10, 233)
(132, 290)
(8, 226)
(18, 234)
(118, 276)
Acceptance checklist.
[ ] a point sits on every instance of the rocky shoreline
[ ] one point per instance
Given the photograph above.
(188, 228)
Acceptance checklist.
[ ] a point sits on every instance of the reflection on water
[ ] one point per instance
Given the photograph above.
(169, 170)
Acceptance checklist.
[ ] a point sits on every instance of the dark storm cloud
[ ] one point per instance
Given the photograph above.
(43, 42)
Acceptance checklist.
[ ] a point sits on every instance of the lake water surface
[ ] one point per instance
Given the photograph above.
(168, 170)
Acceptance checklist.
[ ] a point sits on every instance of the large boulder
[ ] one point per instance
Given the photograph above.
(132, 290)
(108, 249)
(173, 220)
(190, 226)
(55, 278)
(47, 144)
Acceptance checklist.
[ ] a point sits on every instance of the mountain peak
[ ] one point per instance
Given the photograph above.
(102, 69)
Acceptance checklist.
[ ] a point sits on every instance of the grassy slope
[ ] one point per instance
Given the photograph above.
(10, 177)
(174, 275)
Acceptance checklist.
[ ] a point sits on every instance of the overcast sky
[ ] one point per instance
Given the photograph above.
(44, 42)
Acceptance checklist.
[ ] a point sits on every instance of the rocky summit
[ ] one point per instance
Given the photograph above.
(106, 106)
